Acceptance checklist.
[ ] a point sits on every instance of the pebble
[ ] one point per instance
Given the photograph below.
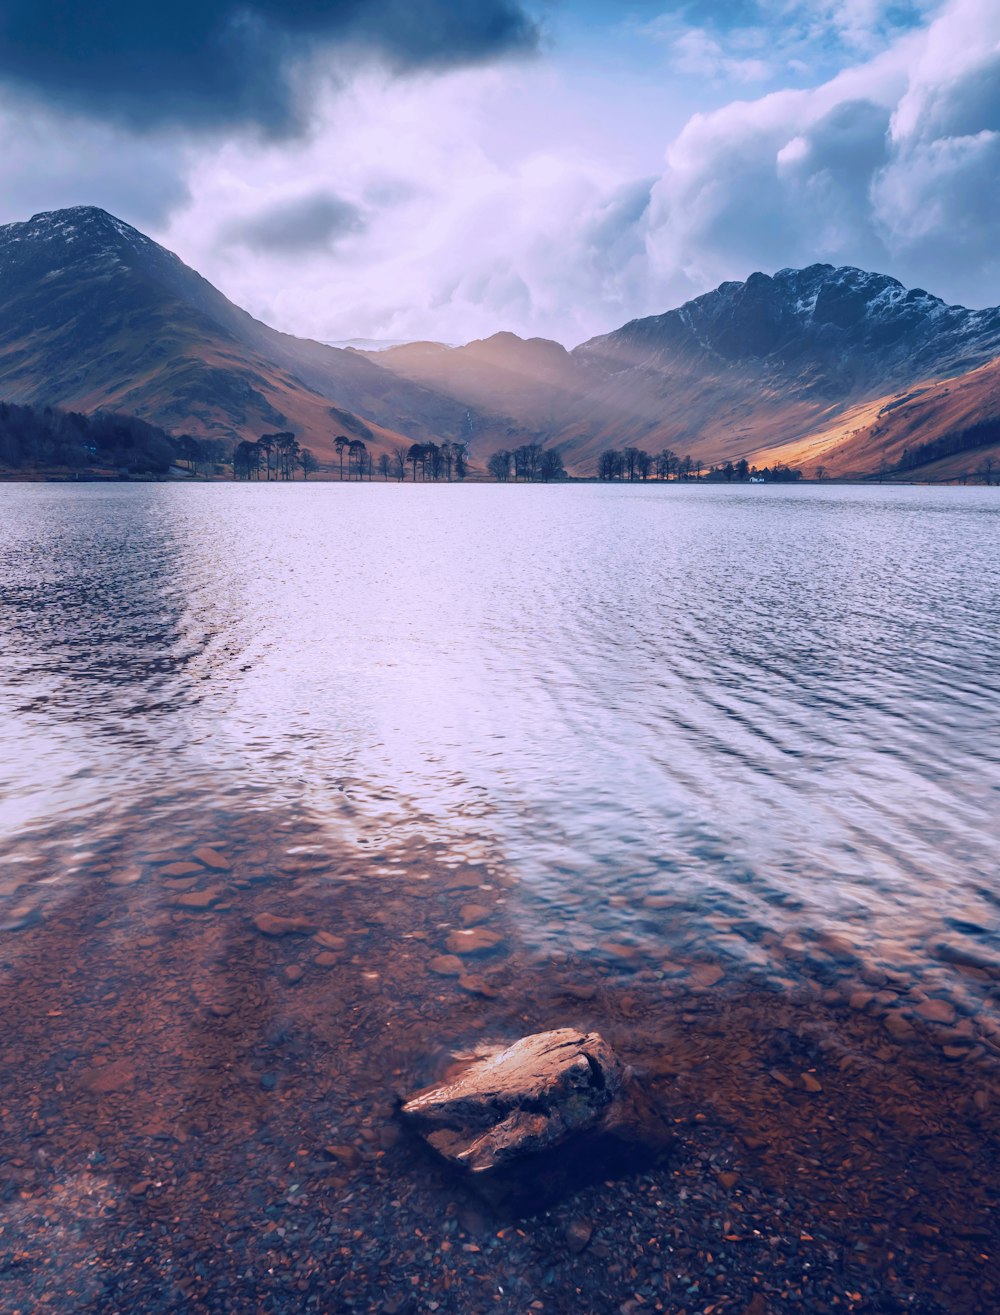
(937, 1011)
(182, 869)
(127, 877)
(477, 986)
(326, 960)
(446, 965)
(271, 924)
(198, 899)
(471, 914)
(329, 941)
(578, 1235)
(706, 974)
(292, 973)
(473, 940)
(212, 860)
(810, 1082)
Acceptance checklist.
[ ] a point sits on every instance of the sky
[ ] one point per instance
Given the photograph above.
(440, 169)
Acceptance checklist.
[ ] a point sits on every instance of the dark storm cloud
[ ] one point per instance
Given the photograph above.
(210, 63)
(311, 223)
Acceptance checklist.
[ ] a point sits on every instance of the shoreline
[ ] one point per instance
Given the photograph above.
(201, 1107)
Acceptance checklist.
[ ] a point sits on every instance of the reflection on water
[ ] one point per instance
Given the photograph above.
(771, 708)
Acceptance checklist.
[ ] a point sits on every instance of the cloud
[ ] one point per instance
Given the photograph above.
(224, 63)
(890, 165)
(308, 223)
(51, 161)
(756, 41)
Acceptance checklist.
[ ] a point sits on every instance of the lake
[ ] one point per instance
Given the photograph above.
(644, 743)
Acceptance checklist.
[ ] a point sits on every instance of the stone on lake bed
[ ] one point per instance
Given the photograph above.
(446, 965)
(473, 940)
(211, 859)
(472, 914)
(183, 870)
(271, 924)
(528, 1098)
(198, 899)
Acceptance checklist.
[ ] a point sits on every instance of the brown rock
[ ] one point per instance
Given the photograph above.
(330, 942)
(527, 1098)
(936, 1011)
(198, 899)
(446, 965)
(810, 1082)
(473, 940)
(838, 947)
(292, 973)
(728, 1180)
(271, 924)
(183, 870)
(126, 877)
(477, 986)
(472, 914)
(706, 974)
(326, 960)
(212, 860)
(578, 1235)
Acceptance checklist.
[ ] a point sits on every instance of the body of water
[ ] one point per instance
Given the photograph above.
(772, 705)
(310, 792)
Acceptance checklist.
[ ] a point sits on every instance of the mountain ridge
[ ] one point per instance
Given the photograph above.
(94, 314)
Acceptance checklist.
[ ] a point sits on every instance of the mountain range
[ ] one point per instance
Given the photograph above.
(824, 366)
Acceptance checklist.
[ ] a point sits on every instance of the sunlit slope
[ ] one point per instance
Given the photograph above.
(743, 371)
(876, 434)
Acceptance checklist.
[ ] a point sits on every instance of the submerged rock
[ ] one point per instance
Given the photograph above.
(528, 1098)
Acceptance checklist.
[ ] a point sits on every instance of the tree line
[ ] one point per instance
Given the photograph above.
(985, 433)
(279, 453)
(530, 462)
(46, 438)
(634, 463)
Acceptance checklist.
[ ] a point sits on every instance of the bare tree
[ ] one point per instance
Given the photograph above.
(399, 459)
(308, 462)
(383, 464)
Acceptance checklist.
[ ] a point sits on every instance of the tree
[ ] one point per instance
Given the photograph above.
(308, 462)
(246, 460)
(287, 450)
(460, 451)
(266, 445)
(498, 465)
(986, 470)
(356, 457)
(399, 461)
(551, 466)
(415, 454)
(742, 469)
(383, 465)
(340, 443)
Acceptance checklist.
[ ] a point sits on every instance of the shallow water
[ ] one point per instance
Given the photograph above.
(771, 710)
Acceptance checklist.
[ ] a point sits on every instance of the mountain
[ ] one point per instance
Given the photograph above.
(827, 366)
(747, 369)
(94, 315)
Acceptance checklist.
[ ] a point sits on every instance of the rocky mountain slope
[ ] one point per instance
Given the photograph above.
(748, 369)
(95, 315)
(818, 366)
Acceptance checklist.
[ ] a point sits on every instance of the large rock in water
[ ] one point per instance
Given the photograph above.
(529, 1098)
